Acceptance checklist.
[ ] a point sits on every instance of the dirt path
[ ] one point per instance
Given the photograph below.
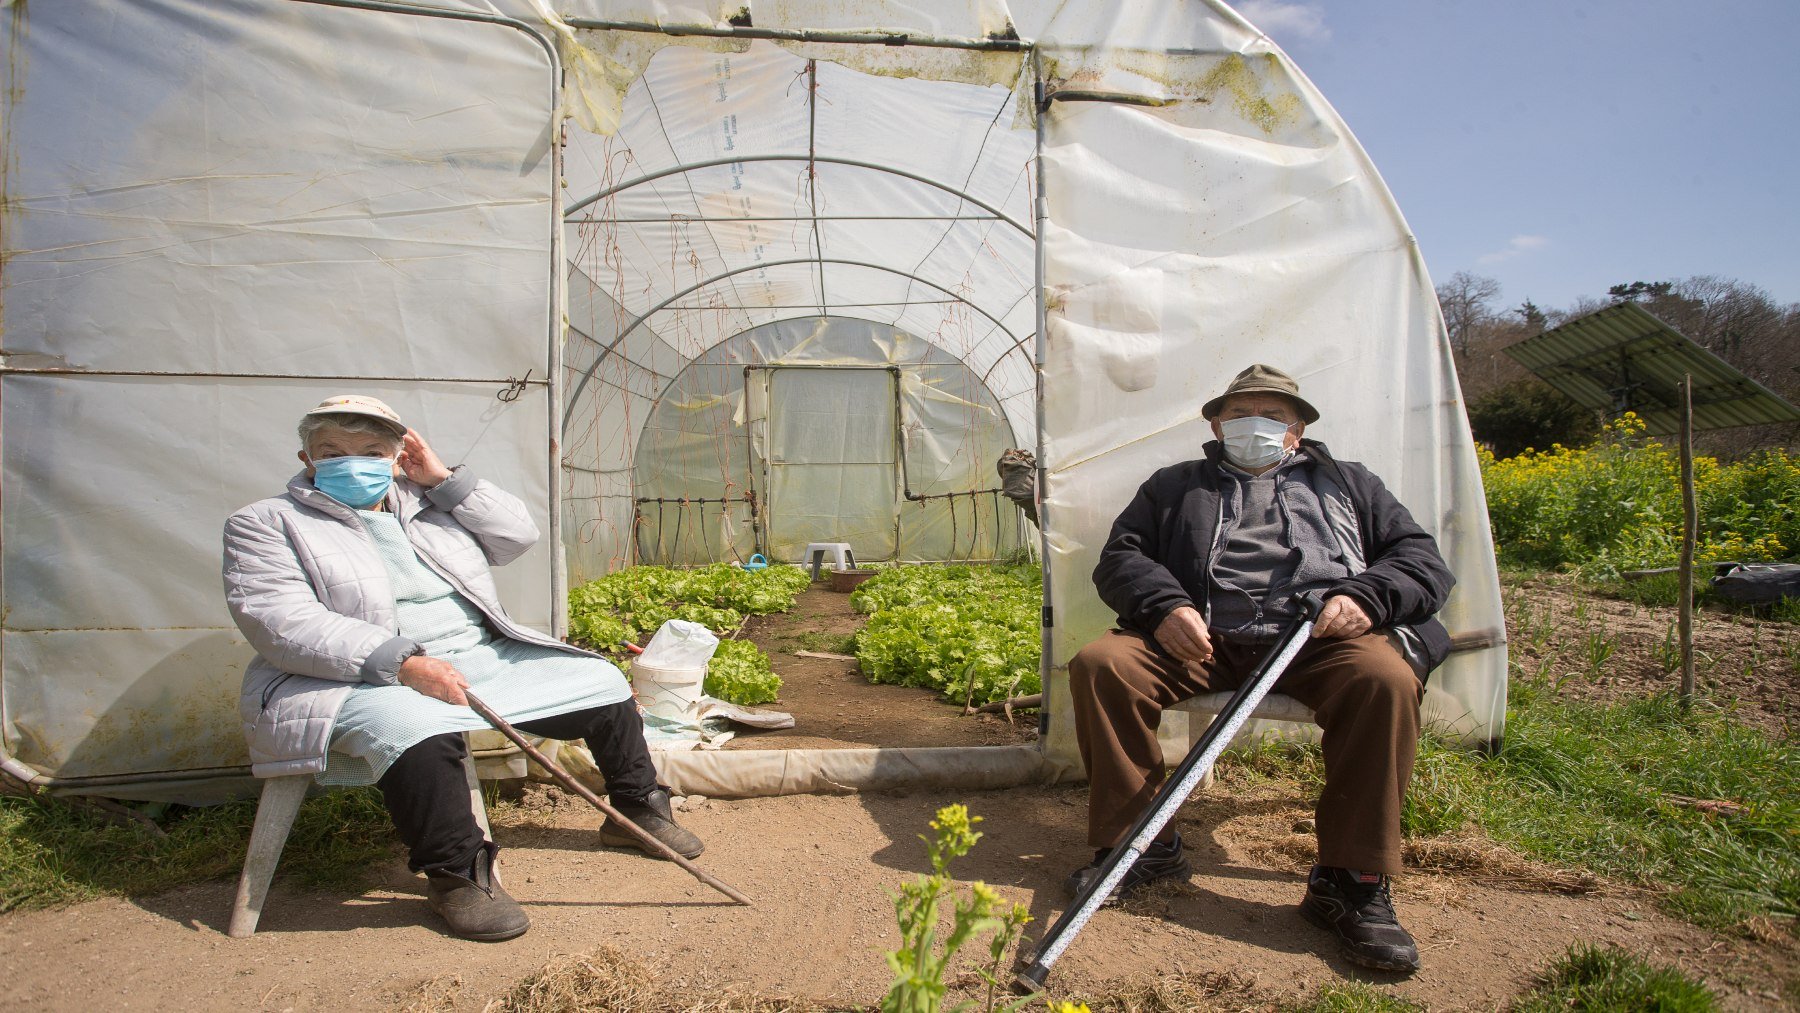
(821, 869)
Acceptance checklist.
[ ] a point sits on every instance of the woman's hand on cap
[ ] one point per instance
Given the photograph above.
(419, 462)
(435, 678)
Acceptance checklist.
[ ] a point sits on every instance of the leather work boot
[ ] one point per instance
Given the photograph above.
(1360, 910)
(653, 814)
(476, 906)
(1159, 861)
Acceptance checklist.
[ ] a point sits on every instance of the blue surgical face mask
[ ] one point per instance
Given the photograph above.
(1253, 442)
(358, 482)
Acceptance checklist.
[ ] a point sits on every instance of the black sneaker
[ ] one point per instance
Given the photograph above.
(1358, 907)
(1160, 861)
(654, 815)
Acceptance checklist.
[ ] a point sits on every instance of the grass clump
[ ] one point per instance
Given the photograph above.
(604, 979)
(53, 853)
(970, 632)
(1607, 978)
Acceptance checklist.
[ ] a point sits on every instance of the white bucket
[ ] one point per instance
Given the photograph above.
(667, 692)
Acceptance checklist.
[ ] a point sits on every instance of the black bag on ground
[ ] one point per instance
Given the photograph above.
(1759, 583)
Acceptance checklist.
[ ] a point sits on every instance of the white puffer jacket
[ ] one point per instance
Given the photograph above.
(306, 586)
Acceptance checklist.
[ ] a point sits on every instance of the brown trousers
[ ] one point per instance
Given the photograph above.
(1363, 694)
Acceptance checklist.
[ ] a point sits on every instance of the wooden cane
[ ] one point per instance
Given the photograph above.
(562, 777)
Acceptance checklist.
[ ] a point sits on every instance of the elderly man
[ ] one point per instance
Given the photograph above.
(1204, 568)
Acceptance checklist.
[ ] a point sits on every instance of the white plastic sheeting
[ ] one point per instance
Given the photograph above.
(217, 215)
(839, 430)
(304, 192)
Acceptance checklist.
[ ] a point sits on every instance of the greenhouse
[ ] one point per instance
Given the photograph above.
(698, 283)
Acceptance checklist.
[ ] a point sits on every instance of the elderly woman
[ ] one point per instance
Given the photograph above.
(366, 592)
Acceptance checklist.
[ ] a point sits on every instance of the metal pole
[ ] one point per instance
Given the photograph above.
(812, 169)
(992, 44)
(1181, 783)
(588, 374)
(1041, 215)
(1690, 525)
(810, 159)
(559, 312)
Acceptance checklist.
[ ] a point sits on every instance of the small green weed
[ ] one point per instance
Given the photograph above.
(1607, 978)
(1668, 653)
(1598, 649)
(920, 962)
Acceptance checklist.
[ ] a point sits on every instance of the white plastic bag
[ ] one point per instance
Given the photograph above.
(680, 644)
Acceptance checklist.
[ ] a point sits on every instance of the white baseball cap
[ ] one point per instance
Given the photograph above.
(361, 404)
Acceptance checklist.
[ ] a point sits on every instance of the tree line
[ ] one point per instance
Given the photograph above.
(1511, 410)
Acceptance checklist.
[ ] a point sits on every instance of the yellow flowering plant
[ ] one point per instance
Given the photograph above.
(921, 960)
(1616, 505)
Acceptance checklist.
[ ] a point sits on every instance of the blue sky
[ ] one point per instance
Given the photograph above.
(1562, 147)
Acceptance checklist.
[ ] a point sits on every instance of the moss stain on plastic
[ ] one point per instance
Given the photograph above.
(1234, 76)
(180, 731)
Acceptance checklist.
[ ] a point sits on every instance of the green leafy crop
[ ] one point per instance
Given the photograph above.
(632, 604)
(740, 673)
(947, 627)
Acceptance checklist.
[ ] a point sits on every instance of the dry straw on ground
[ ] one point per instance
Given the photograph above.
(602, 981)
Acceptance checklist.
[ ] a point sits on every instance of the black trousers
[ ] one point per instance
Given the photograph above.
(427, 793)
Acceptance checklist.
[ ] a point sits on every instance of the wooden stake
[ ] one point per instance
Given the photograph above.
(1690, 524)
(562, 777)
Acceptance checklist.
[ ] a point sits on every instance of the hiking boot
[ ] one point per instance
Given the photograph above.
(476, 906)
(653, 814)
(1159, 861)
(1359, 909)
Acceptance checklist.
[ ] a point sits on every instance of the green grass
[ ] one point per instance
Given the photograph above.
(1605, 787)
(1606, 979)
(52, 853)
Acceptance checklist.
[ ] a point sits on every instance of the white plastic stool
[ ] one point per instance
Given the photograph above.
(275, 812)
(1274, 707)
(842, 557)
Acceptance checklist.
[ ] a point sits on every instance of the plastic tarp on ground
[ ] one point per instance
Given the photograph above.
(280, 199)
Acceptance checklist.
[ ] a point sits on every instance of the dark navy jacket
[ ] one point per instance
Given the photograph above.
(1160, 550)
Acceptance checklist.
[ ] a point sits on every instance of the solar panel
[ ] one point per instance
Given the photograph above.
(1623, 358)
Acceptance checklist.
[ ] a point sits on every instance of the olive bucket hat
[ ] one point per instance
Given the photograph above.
(1261, 379)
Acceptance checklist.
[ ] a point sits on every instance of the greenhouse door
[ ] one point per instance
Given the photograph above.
(830, 474)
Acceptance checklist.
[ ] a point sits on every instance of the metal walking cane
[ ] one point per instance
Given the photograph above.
(1180, 784)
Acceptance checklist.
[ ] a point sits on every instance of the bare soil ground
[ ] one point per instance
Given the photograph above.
(1604, 649)
(834, 707)
(821, 870)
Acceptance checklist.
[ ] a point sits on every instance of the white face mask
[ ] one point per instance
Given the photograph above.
(1253, 442)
